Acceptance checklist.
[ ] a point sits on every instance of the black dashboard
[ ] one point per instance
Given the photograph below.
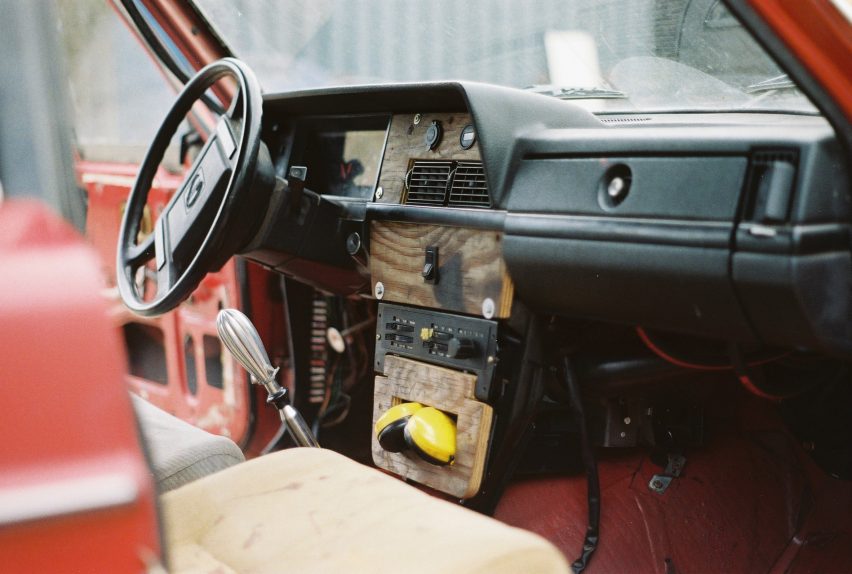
(728, 225)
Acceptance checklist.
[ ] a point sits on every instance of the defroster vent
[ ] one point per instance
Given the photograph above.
(445, 182)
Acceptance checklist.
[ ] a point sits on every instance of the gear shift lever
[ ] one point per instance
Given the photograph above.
(241, 338)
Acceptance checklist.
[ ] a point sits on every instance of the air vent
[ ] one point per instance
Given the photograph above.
(771, 182)
(469, 188)
(427, 182)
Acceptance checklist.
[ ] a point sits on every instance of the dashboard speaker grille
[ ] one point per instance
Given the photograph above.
(427, 182)
(468, 188)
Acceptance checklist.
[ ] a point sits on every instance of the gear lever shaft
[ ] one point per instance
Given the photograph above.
(239, 335)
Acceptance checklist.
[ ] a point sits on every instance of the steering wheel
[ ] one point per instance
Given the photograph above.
(209, 217)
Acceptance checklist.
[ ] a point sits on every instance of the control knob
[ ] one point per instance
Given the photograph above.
(461, 348)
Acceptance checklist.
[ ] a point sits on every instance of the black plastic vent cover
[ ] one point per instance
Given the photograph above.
(469, 188)
(427, 182)
(445, 182)
(771, 183)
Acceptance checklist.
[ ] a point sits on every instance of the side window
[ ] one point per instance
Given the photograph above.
(119, 94)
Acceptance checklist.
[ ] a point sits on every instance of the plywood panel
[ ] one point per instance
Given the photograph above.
(406, 143)
(452, 392)
(470, 267)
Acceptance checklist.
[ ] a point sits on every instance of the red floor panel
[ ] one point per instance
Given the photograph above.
(749, 501)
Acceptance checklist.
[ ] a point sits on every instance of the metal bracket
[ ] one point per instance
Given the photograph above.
(660, 482)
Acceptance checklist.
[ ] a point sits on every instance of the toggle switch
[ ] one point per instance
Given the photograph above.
(430, 266)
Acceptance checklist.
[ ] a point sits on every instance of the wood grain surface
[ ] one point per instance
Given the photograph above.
(452, 392)
(406, 142)
(470, 267)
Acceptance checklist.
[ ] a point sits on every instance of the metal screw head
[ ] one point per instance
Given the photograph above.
(659, 483)
(378, 337)
(417, 118)
(379, 192)
(615, 187)
(488, 307)
(380, 290)
(623, 434)
(627, 420)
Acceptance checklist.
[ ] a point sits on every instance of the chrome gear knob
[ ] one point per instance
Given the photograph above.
(242, 340)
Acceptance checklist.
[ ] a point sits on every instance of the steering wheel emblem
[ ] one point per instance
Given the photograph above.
(195, 188)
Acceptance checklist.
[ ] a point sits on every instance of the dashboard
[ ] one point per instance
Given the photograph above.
(462, 207)
(723, 225)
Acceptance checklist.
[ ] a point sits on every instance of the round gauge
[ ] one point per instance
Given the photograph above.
(467, 137)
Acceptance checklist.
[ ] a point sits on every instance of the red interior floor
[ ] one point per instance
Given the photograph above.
(749, 501)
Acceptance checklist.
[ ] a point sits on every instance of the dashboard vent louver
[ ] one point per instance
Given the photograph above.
(770, 186)
(445, 182)
(469, 188)
(427, 182)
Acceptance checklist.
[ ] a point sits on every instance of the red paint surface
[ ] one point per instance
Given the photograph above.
(222, 411)
(820, 37)
(66, 413)
(749, 501)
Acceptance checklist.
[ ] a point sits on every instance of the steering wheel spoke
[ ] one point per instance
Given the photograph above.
(138, 255)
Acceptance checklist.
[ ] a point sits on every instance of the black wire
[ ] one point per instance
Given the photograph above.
(590, 543)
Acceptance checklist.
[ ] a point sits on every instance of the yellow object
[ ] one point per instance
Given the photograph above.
(426, 333)
(395, 413)
(432, 435)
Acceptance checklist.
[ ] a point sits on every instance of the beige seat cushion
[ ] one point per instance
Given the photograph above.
(313, 510)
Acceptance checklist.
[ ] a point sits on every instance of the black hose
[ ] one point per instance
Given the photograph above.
(590, 543)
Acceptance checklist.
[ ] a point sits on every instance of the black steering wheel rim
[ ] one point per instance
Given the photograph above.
(200, 222)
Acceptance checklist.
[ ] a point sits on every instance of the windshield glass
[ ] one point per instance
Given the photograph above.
(610, 55)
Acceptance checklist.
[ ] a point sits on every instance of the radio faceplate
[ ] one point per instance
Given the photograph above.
(458, 342)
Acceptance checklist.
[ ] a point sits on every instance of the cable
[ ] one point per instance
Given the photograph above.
(655, 348)
(738, 365)
(590, 543)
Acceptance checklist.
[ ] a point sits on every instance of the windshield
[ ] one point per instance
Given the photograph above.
(610, 55)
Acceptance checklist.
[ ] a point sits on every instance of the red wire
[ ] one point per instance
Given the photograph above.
(675, 361)
(745, 380)
(755, 390)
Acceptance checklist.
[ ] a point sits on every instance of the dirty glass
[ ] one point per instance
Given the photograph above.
(618, 54)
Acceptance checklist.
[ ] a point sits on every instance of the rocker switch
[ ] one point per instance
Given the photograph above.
(430, 266)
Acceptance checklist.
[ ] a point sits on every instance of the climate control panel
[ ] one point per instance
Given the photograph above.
(458, 342)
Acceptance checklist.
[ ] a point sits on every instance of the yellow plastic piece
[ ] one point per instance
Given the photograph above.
(426, 333)
(432, 433)
(395, 413)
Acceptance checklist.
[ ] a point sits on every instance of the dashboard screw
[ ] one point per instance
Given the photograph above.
(379, 192)
(627, 420)
(378, 337)
(380, 290)
(488, 307)
(417, 118)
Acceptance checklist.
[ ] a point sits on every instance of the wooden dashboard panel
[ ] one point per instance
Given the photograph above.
(406, 143)
(470, 267)
(452, 392)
